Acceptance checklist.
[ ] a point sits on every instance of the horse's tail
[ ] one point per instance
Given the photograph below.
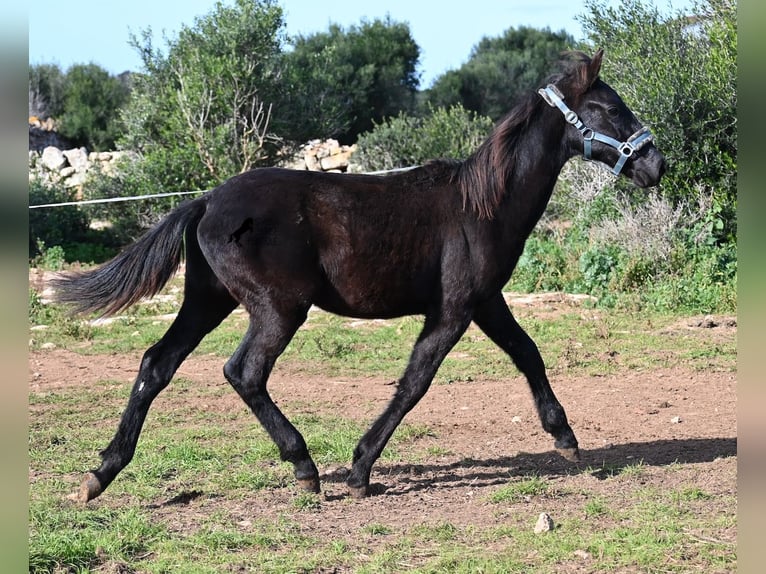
(141, 270)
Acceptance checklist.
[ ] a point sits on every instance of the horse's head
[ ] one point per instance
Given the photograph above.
(601, 127)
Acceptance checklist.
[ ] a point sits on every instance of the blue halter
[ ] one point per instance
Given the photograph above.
(554, 98)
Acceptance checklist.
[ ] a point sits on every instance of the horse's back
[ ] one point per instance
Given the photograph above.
(356, 245)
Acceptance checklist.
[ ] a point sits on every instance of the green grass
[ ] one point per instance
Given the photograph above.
(580, 341)
(516, 491)
(222, 461)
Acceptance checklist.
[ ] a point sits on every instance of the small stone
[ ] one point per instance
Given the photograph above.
(544, 523)
(582, 554)
(516, 419)
(676, 420)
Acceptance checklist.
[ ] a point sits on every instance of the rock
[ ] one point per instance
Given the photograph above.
(318, 155)
(68, 171)
(73, 165)
(77, 157)
(544, 523)
(53, 158)
(335, 161)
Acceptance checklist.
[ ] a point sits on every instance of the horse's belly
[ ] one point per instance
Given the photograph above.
(373, 296)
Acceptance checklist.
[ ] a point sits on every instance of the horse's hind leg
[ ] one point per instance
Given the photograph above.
(496, 320)
(206, 304)
(248, 371)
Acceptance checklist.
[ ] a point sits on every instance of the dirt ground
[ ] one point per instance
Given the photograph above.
(489, 434)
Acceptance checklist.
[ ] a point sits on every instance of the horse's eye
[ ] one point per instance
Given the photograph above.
(613, 111)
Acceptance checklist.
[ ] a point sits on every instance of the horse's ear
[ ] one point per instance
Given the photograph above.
(595, 66)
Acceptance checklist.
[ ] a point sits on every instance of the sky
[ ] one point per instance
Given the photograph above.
(445, 30)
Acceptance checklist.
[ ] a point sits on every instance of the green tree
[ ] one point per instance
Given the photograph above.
(345, 81)
(55, 226)
(678, 73)
(499, 70)
(92, 100)
(405, 140)
(203, 111)
(46, 90)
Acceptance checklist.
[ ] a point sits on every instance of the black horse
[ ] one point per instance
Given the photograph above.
(439, 240)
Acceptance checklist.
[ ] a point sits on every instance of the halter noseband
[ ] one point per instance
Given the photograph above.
(553, 97)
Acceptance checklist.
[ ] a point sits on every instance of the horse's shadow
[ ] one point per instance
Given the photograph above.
(601, 463)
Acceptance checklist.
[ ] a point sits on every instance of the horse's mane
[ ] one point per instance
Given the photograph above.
(482, 178)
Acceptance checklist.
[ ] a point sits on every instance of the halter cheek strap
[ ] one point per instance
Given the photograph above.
(554, 98)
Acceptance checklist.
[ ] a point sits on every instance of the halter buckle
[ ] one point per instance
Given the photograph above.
(626, 149)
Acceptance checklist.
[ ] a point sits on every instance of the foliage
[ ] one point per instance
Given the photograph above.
(345, 81)
(92, 101)
(499, 70)
(127, 221)
(202, 112)
(679, 74)
(673, 248)
(408, 140)
(86, 101)
(53, 227)
(46, 90)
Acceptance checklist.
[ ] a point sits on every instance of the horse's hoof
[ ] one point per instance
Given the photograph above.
(358, 492)
(90, 488)
(571, 454)
(309, 484)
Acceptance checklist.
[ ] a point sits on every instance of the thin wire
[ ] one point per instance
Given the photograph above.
(171, 194)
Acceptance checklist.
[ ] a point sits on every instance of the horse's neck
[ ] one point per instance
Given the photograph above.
(529, 188)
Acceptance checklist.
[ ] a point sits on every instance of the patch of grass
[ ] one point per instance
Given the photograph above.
(595, 507)
(517, 491)
(626, 524)
(633, 470)
(66, 538)
(589, 341)
(377, 529)
(443, 532)
(306, 501)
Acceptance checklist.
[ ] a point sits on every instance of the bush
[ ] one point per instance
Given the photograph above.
(91, 107)
(127, 221)
(678, 73)
(406, 140)
(53, 226)
(545, 265)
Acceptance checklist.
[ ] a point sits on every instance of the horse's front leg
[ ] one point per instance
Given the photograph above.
(438, 336)
(495, 319)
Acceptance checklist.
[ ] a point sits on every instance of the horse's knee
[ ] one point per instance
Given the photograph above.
(233, 373)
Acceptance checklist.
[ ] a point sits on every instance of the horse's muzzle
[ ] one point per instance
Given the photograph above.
(647, 169)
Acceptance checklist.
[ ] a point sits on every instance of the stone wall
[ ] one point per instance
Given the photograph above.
(327, 155)
(70, 167)
(53, 160)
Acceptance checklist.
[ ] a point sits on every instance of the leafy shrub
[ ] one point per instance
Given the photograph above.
(544, 266)
(53, 226)
(127, 220)
(91, 108)
(678, 72)
(405, 140)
